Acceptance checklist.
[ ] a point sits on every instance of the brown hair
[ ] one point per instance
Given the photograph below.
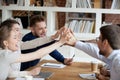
(112, 34)
(5, 29)
(36, 18)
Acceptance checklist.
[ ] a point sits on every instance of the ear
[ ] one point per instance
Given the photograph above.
(32, 29)
(105, 42)
(5, 43)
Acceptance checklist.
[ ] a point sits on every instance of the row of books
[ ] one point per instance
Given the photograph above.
(115, 4)
(28, 2)
(80, 3)
(14, 2)
(90, 4)
(81, 26)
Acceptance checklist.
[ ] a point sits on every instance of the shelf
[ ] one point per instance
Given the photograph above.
(62, 9)
(71, 18)
(7, 13)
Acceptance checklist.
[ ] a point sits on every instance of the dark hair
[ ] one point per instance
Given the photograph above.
(36, 18)
(5, 29)
(112, 34)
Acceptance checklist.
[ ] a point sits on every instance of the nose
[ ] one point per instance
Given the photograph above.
(44, 30)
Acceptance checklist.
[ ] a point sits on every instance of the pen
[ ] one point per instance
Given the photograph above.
(73, 56)
(52, 65)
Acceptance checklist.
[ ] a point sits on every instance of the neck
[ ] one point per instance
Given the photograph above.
(34, 34)
(108, 52)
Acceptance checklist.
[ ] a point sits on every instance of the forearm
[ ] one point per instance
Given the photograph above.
(88, 48)
(39, 53)
(35, 43)
(57, 55)
(101, 77)
(14, 74)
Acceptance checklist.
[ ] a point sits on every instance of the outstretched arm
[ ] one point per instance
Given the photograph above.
(44, 51)
(13, 74)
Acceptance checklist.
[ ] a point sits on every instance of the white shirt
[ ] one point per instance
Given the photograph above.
(6, 58)
(113, 60)
(15, 67)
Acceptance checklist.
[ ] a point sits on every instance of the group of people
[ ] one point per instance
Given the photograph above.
(36, 44)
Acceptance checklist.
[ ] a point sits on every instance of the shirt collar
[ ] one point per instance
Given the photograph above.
(113, 54)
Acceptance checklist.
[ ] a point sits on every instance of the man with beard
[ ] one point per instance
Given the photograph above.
(107, 50)
(38, 30)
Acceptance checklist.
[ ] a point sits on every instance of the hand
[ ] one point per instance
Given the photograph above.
(73, 40)
(68, 61)
(102, 77)
(35, 71)
(104, 72)
(58, 33)
(65, 36)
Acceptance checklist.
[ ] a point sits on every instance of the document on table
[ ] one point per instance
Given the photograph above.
(53, 65)
(33, 79)
(88, 76)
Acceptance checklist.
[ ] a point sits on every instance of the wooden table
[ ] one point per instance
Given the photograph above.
(69, 72)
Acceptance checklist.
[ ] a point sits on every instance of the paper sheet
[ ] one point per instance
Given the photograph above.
(33, 79)
(88, 76)
(53, 65)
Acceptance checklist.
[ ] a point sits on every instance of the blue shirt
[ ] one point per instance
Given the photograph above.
(113, 60)
(55, 54)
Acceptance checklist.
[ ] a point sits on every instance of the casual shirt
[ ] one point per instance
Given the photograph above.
(113, 60)
(6, 58)
(55, 54)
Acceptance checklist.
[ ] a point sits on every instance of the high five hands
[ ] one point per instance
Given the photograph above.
(67, 34)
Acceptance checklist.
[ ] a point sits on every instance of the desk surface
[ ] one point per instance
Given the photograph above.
(69, 72)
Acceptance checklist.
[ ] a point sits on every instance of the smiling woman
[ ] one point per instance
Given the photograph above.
(9, 42)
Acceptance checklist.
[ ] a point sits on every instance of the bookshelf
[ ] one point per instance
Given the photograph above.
(7, 12)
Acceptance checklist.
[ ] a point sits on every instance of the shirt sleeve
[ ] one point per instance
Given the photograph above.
(13, 74)
(10, 56)
(117, 64)
(35, 43)
(89, 48)
(57, 55)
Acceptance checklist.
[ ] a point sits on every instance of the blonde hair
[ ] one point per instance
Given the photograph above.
(5, 29)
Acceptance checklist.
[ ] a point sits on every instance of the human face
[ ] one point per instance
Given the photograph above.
(39, 29)
(16, 28)
(100, 44)
(12, 43)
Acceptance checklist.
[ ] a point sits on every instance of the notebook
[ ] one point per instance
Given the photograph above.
(45, 75)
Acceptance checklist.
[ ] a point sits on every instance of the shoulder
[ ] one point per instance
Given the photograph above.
(8, 55)
(27, 37)
(116, 62)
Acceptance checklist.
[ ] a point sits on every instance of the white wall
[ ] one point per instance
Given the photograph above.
(80, 56)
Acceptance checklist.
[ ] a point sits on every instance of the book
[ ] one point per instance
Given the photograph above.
(20, 2)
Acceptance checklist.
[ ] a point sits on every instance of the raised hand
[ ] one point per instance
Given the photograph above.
(65, 35)
(58, 33)
(72, 40)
